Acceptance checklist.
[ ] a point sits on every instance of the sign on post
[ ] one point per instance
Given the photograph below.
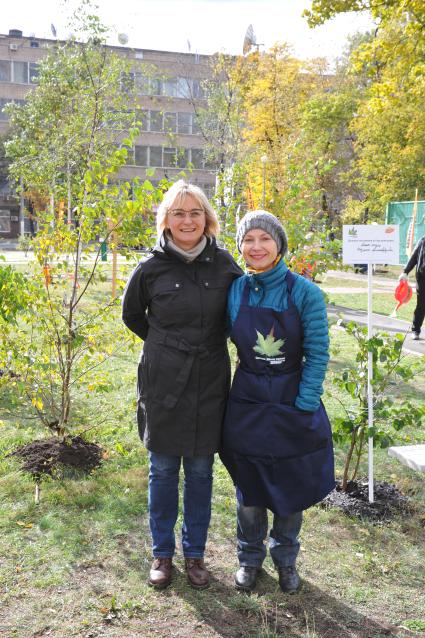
(370, 244)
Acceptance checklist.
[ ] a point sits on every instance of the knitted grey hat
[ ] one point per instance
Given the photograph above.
(266, 221)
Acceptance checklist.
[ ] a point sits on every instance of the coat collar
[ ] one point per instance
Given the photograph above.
(269, 278)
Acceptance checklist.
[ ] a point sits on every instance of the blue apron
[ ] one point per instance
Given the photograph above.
(278, 456)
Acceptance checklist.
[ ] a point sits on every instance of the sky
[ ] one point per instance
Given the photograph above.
(208, 25)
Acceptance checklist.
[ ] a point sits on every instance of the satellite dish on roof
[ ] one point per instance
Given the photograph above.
(122, 38)
(249, 40)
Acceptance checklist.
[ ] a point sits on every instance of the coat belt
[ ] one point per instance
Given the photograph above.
(161, 338)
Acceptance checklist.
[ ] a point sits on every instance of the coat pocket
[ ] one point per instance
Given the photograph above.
(168, 302)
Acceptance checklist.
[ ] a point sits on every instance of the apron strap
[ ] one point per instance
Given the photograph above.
(245, 295)
(290, 282)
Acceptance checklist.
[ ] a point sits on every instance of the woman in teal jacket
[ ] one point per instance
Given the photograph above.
(277, 442)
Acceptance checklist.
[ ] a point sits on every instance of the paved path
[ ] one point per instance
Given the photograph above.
(352, 276)
(381, 323)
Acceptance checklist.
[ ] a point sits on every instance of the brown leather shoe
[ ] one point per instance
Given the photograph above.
(197, 575)
(160, 572)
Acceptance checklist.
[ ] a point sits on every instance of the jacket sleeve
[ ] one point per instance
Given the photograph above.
(135, 303)
(413, 259)
(315, 346)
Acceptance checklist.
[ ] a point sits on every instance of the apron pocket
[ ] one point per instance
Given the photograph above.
(274, 429)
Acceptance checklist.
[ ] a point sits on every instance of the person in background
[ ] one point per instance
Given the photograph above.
(417, 259)
(175, 300)
(277, 441)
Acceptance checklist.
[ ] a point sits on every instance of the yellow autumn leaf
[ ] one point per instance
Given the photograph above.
(37, 403)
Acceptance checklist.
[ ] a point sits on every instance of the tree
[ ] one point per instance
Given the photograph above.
(281, 173)
(389, 126)
(67, 145)
(390, 417)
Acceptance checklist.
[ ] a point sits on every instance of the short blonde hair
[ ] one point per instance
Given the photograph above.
(177, 192)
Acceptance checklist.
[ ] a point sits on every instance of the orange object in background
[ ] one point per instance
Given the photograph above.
(403, 293)
(47, 275)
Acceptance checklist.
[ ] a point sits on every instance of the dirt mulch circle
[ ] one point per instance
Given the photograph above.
(388, 501)
(47, 456)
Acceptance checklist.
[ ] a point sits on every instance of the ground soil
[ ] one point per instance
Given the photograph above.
(388, 501)
(47, 456)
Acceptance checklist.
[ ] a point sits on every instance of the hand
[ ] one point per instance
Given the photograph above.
(403, 277)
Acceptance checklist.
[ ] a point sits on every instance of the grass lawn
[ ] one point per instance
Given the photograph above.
(383, 299)
(76, 564)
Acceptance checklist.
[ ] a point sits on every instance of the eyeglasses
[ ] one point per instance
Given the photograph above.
(179, 213)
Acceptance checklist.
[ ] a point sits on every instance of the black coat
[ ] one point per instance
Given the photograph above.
(417, 259)
(179, 309)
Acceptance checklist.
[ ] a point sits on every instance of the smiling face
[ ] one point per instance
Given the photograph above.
(186, 222)
(259, 249)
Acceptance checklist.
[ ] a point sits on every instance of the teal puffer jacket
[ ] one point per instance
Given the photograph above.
(273, 293)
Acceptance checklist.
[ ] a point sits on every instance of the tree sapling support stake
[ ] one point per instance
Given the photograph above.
(370, 379)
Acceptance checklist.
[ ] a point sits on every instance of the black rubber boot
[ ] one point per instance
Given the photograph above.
(246, 578)
(289, 580)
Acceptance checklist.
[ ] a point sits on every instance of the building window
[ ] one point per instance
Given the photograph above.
(156, 124)
(170, 87)
(184, 87)
(3, 101)
(142, 83)
(198, 92)
(127, 82)
(170, 122)
(141, 155)
(4, 71)
(197, 158)
(182, 158)
(209, 163)
(155, 87)
(5, 221)
(184, 123)
(155, 156)
(130, 153)
(3, 115)
(144, 119)
(20, 72)
(33, 72)
(195, 127)
(169, 157)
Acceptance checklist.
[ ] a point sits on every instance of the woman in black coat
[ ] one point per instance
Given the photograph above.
(175, 300)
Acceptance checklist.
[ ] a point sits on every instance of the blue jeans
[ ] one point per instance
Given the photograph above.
(164, 503)
(252, 531)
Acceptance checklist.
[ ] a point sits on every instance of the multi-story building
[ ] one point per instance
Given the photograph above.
(170, 139)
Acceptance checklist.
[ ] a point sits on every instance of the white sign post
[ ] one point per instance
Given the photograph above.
(370, 244)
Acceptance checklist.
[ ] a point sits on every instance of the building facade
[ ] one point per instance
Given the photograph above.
(169, 139)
